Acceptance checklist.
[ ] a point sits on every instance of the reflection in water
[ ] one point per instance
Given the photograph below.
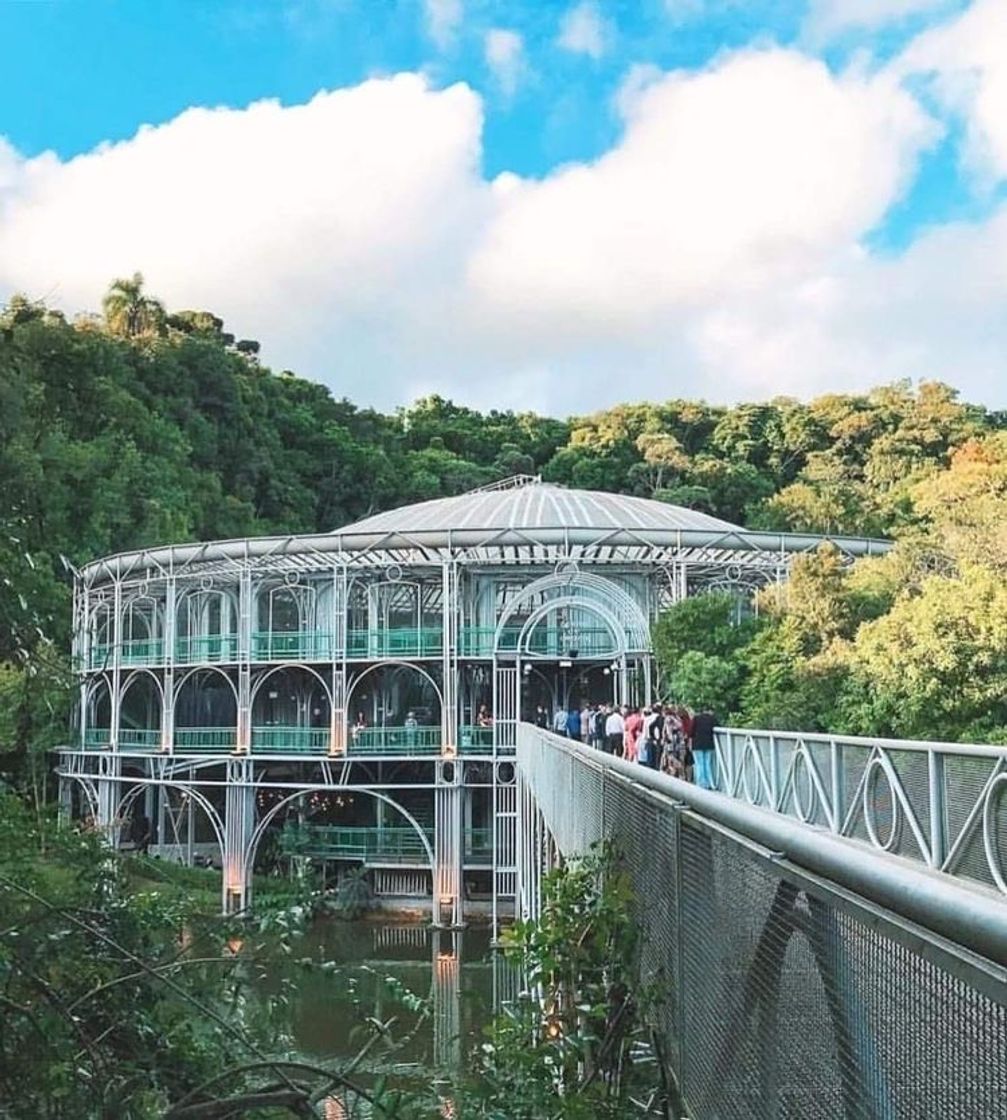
(432, 990)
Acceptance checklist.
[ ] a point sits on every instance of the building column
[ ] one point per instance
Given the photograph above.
(115, 700)
(337, 707)
(449, 656)
(447, 892)
(108, 780)
(246, 607)
(168, 681)
(239, 823)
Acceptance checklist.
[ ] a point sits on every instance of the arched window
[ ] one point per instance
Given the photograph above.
(207, 626)
(291, 711)
(206, 711)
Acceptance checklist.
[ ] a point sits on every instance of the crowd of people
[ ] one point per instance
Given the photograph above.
(664, 737)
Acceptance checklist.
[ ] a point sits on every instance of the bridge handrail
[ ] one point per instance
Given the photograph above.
(963, 913)
(799, 972)
(934, 802)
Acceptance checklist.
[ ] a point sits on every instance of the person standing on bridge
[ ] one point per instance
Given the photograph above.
(703, 724)
(573, 723)
(614, 731)
(632, 724)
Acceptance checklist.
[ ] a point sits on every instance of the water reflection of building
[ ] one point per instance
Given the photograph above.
(362, 688)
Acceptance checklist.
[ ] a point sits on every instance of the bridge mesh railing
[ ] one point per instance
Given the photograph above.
(782, 995)
(942, 804)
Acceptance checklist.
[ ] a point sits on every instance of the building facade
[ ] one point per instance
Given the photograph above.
(354, 697)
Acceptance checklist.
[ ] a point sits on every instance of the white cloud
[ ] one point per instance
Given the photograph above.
(827, 18)
(717, 248)
(729, 179)
(968, 59)
(324, 229)
(443, 18)
(583, 31)
(504, 52)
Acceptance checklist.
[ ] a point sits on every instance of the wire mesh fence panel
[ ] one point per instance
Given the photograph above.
(780, 996)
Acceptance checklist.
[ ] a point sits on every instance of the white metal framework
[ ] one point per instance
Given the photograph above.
(364, 687)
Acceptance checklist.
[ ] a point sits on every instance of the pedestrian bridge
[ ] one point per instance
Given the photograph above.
(829, 929)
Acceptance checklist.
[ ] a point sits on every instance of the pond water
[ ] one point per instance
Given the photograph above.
(432, 989)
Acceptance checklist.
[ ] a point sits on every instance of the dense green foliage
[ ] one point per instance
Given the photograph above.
(911, 645)
(148, 426)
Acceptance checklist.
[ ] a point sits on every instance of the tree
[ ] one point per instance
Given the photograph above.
(128, 312)
(935, 665)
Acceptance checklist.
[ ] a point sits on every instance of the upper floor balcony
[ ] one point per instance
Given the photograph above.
(367, 742)
(360, 645)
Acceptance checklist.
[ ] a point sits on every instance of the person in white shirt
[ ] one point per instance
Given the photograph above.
(559, 721)
(615, 729)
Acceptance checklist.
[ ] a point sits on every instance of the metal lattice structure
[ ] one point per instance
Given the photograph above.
(380, 670)
(941, 804)
(804, 974)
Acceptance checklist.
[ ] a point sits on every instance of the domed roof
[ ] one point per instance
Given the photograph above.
(529, 504)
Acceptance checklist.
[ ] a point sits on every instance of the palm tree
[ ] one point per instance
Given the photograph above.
(129, 312)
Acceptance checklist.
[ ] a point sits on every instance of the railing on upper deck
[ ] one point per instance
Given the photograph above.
(396, 740)
(363, 645)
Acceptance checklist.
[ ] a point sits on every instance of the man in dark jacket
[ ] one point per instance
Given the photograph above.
(703, 724)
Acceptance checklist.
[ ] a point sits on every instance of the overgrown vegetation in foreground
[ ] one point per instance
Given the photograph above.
(134, 1004)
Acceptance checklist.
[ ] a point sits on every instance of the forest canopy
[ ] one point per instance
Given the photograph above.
(144, 425)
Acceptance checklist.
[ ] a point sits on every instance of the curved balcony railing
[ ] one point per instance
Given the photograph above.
(582, 641)
(200, 648)
(394, 740)
(300, 645)
(378, 845)
(284, 739)
(297, 740)
(205, 738)
(421, 642)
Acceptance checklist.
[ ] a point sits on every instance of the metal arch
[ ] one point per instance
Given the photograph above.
(95, 682)
(989, 833)
(131, 679)
(90, 791)
(262, 678)
(384, 665)
(588, 581)
(251, 848)
(616, 629)
(205, 804)
(190, 673)
(196, 591)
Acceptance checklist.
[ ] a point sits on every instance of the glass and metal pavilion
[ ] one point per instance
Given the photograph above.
(373, 678)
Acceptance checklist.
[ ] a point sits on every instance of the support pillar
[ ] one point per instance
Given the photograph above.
(168, 698)
(108, 780)
(65, 801)
(243, 739)
(449, 652)
(447, 895)
(115, 699)
(239, 823)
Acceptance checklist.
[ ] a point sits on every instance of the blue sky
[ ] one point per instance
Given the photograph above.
(546, 85)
